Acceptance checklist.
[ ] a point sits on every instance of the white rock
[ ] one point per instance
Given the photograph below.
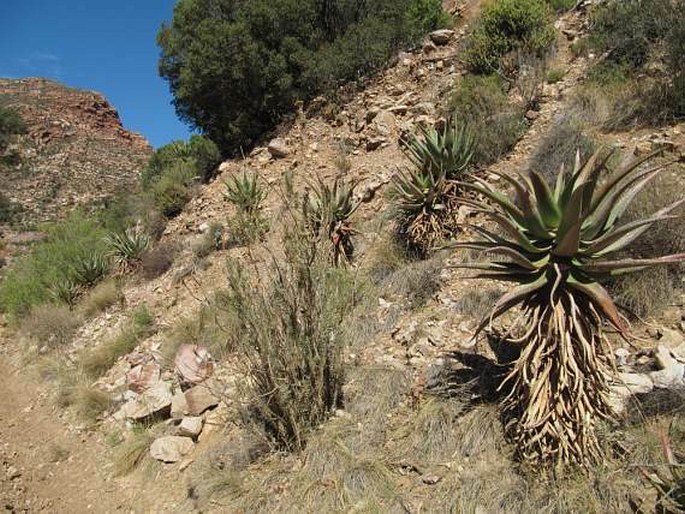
(671, 373)
(190, 426)
(441, 37)
(278, 148)
(171, 448)
(152, 402)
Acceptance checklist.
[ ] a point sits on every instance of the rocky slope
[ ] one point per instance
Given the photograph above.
(75, 152)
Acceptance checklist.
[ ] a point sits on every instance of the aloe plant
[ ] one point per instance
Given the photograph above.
(554, 244)
(668, 479)
(127, 247)
(245, 192)
(427, 195)
(447, 151)
(328, 210)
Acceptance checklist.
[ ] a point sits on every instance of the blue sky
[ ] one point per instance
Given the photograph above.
(105, 46)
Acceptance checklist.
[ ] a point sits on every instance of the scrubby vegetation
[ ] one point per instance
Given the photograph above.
(210, 51)
(506, 32)
(11, 124)
(247, 193)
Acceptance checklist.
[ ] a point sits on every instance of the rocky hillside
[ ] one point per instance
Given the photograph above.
(76, 150)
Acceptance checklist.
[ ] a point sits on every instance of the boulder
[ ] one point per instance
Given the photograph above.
(199, 399)
(278, 148)
(671, 372)
(374, 143)
(156, 401)
(179, 405)
(171, 448)
(144, 376)
(190, 427)
(193, 363)
(384, 123)
(441, 37)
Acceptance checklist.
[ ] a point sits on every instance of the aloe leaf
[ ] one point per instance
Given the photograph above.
(601, 298)
(568, 235)
(627, 265)
(549, 209)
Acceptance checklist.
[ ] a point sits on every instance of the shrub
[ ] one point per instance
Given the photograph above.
(174, 188)
(554, 246)
(8, 209)
(509, 28)
(50, 325)
(290, 332)
(70, 256)
(304, 47)
(157, 261)
(560, 146)
(562, 5)
(11, 124)
(630, 41)
(481, 102)
(102, 296)
(199, 153)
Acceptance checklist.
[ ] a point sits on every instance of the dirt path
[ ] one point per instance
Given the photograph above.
(44, 465)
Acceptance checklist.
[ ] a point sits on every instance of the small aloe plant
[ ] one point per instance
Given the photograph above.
(554, 244)
(427, 195)
(128, 247)
(245, 192)
(327, 210)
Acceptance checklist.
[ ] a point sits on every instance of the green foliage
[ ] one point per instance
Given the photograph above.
(327, 210)
(127, 247)
(245, 192)
(630, 40)
(8, 209)
(561, 5)
(481, 102)
(290, 332)
(11, 124)
(72, 256)
(426, 195)
(448, 150)
(174, 188)
(199, 152)
(236, 66)
(553, 243)
(507, 29)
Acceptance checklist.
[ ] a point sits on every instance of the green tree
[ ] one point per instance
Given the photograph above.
(11, 124)
(236, 66)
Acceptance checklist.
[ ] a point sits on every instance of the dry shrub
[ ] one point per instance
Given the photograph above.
(157, 261)
(75, 390)
(102, 296)
(559, 146)
(290, 322)
(477, 301)
(51, 325)
(134, 450)
(648, 292)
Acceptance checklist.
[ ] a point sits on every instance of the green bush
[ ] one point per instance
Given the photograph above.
(631, 35)
(174, 188)
(235, 67)
(8, 209)
(497, 125)
(506, 28)
(71, 256)
(11, 124)
(199, 152)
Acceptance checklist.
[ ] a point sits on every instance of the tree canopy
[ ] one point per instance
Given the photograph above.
(236, 66)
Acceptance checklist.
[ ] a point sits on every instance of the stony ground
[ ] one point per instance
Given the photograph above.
(53, 463)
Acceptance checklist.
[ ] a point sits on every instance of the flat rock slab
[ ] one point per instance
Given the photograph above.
(190, 426)
(171, 448)
(278, 148)
(441, 37)
(199, 399)
(153, 402)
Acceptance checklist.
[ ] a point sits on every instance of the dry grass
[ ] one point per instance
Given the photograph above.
(75, 390)
(52, 326)
(157, 261)
(134, 450)
(101, 297)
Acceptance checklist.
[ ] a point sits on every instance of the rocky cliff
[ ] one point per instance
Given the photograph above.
(75, 151)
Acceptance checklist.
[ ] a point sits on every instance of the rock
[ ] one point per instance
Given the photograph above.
(425, 108)
(171, 448)
(13, 473)
(374, 143)
(371, 114)
(622, 355)
(635, 383)
(431, 479)
(671, 371)
(156, 401)
(193, 363)
(674, 341)
(532, 115)
(384, 123)
(224, 166)
(441, 37)
(190, 426)
(144, 376)
(429, 47)
(199, 399)
(179, 405)
(400, 110)
(665, 145)
(278, 148)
